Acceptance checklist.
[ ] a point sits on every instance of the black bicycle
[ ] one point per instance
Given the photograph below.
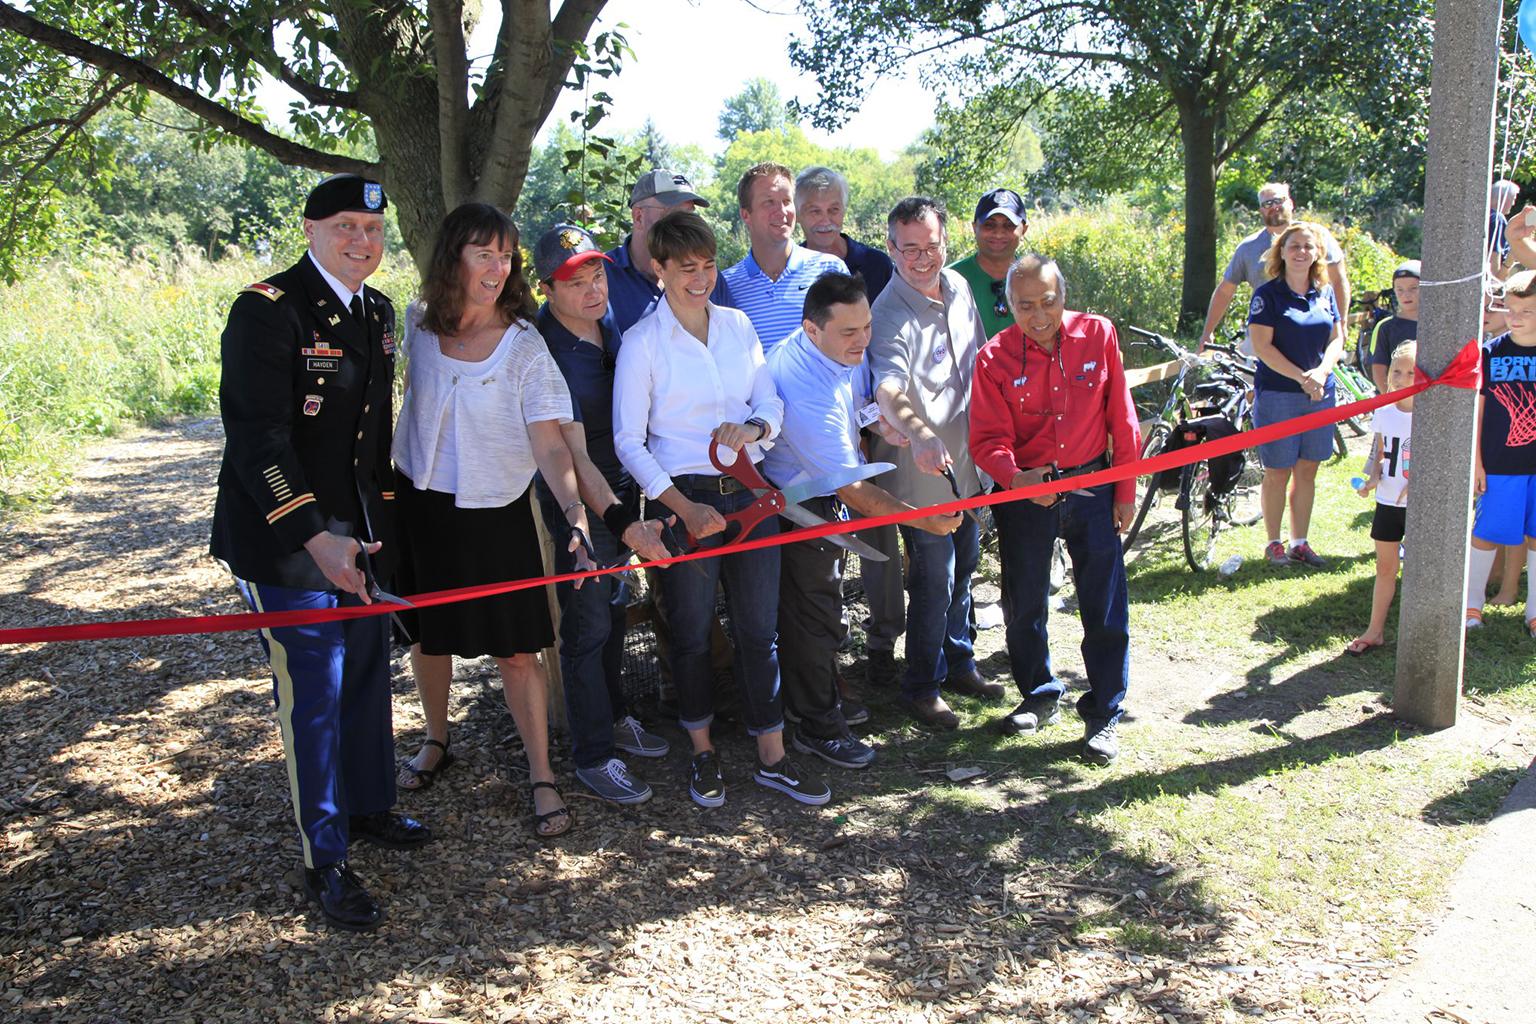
(1209, 398)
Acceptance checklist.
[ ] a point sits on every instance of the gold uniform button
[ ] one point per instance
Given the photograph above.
(359, 435)
(319, 381)
(367, 408)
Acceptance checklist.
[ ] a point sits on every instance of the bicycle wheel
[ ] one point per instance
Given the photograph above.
(1340, 449)
(1242, 504)
(1157, 440)
(1201, 523)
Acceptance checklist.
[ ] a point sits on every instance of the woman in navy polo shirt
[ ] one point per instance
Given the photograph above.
(1297, 335)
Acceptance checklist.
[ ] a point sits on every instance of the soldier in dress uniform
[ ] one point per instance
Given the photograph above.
(304, 520)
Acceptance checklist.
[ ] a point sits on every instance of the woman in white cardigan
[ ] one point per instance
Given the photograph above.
(483, 410)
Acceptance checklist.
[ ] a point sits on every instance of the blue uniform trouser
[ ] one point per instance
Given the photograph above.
(331, 685)
(593, 621)
(939, 606)
(1026, 535)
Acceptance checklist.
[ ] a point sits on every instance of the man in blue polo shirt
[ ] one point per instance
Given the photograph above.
(819, 373)
(632, 287)
(770, 284)
(821, 202)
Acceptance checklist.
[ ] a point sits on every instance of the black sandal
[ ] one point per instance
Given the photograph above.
(426, 776)
(540, 819)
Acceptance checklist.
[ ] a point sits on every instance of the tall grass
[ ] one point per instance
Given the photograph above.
(88, 348)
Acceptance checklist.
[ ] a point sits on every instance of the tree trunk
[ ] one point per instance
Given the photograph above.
(1197, 131)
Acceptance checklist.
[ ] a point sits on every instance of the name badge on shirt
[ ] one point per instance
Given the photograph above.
(869, 415)
(939, 354)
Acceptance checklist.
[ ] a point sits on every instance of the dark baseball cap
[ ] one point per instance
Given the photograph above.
(562, 249)
(1408, 268)
(343, 192)
(1004, 201)
(665, 187)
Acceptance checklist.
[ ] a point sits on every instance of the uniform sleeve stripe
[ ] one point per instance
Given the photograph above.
(387, 495)
(283, 510)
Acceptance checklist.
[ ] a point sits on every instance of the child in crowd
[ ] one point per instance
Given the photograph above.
(1505, 474)
(1393, 425)
(1510, 560)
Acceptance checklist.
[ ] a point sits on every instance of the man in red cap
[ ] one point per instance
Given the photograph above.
(304, 521)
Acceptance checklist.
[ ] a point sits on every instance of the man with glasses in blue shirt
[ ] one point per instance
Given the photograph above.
(1277, 210)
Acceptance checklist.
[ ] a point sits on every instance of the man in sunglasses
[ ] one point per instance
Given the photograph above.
(1247, 264)
(1000, 225)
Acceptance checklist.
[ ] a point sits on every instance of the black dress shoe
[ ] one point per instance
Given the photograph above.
(972, 683)
(881, 672)
(389, 830)
(342, 898)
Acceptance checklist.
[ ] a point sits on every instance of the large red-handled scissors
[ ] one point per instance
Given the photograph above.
(772, 501)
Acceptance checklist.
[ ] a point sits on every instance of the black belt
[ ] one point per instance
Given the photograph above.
(707, 482)
(1102, 462)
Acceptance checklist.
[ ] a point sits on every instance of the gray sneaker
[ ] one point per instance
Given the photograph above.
(1101, 743)
(613, 782)
(1032, 714)
(630, 736)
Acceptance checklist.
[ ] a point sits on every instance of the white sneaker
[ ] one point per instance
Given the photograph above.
(1474, 618)
(613, 782)
(630, 736)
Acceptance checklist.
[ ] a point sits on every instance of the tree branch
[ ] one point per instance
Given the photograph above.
(136, 72)
(452, 97)
(570, 25)
(267, 57)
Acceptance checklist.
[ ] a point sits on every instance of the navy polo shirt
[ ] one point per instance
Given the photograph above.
(631, 294)
(869, 263)
(1303, 325)
(588, 372)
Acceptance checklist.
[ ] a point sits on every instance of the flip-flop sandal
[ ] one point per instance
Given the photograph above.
(1359, 647)
(425, 777)
(540, 819)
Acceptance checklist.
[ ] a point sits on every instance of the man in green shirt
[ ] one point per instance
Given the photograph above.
(1000, 225)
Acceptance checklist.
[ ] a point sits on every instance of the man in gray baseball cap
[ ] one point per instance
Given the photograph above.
(632, 287)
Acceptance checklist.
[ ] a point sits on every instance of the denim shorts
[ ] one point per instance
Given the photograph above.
(1315, 445)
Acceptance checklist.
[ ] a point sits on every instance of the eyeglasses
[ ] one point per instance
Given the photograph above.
(913, 253)
(1267, 204)
(1000, 298)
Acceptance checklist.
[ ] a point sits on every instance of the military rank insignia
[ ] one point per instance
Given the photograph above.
(312, 405)
(263, 289)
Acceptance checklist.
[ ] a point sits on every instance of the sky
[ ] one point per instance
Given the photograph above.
(691, 55)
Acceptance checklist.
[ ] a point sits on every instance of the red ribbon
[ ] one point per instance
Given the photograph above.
(1464, 371)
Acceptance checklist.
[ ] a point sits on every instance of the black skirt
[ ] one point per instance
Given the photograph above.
(444, 547)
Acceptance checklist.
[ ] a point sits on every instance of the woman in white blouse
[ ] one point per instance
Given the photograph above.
(483, 409)
(690, 375)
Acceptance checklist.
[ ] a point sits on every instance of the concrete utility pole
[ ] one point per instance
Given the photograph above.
(1430, 638)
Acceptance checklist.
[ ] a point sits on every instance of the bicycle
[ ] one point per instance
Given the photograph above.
(1351, 385)
(1209, 398)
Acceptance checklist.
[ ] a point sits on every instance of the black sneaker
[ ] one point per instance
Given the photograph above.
(705, 784)
(786, 777)
(843, 751)
(854, 713)
(1033, 714)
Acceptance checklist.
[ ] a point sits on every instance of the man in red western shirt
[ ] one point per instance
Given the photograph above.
(1049, 396)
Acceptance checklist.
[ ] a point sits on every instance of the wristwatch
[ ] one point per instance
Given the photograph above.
(762, 425)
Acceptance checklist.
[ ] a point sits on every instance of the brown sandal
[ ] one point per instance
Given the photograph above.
(540, 819)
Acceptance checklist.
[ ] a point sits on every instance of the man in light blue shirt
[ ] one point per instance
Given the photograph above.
(770, 284)
(819, 373)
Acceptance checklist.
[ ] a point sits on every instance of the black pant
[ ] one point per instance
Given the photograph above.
(810, 614)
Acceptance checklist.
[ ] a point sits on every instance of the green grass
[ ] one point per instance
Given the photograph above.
(88, 348)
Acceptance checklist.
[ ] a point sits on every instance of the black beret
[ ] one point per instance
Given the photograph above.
(342, 192)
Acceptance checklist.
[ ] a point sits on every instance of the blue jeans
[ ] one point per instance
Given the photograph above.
(592, 626)
(1026, 535)
(751, 581)
(939, 606)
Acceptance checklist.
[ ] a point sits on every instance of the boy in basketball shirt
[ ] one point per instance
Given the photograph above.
(1505, 474)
